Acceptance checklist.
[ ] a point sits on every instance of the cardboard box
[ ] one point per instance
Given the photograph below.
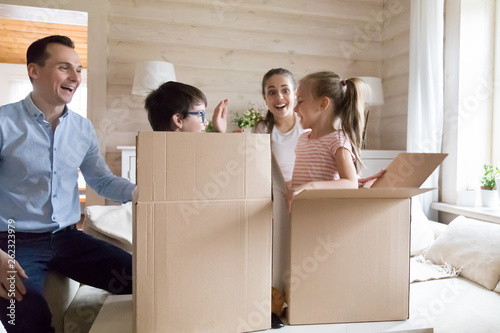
(350, 249)
(202, 233)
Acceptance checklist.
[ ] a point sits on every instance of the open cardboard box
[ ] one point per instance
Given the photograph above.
(349, 249)
(202, 233)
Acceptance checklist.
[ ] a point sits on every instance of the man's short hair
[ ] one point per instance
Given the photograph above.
(37, 51)
(169, 99)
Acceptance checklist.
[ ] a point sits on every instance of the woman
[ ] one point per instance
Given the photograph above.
(278, 91)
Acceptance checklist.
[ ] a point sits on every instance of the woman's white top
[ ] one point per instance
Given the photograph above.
(283, 145)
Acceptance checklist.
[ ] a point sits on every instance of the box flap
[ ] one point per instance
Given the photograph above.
(409, 170)
(362, 193)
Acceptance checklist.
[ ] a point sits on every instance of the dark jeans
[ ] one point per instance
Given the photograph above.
(69, 252)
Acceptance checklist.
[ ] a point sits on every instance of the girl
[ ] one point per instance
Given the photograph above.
(329, 155)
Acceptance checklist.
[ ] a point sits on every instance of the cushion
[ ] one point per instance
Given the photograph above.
(473, 246)
(83, 311)
(110, 223)
(422, 235)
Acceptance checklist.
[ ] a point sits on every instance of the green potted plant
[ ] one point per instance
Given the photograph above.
(489, 196)
(248, 119)
(210, 127)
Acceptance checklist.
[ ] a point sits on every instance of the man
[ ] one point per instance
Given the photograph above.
(42, 146)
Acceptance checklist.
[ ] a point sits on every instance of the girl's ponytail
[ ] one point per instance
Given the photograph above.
(350, 109)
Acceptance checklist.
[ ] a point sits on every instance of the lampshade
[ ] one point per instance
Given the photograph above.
(377, 94)
(149, 75)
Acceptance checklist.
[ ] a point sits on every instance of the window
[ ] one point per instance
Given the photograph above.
(15, 86)
(470, 94)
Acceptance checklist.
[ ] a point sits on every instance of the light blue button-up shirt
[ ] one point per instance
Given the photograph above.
(39, 168)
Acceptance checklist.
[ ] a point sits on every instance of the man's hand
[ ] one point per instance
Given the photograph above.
(135, 194)
(219, 119)
(10, 275)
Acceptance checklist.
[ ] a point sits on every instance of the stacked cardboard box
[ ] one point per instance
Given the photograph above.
(202, 233)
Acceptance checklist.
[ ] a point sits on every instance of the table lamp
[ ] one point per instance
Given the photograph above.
(149, 75)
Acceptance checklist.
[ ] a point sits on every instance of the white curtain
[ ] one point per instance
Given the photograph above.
(425, 94)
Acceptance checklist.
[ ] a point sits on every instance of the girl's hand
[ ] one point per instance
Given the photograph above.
(219, 119)
(239, 130)
(368, 181)
(288, 200)
(292, 193)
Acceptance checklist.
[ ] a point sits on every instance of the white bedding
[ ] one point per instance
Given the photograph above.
(424, 270)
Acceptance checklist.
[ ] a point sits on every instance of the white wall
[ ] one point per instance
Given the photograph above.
(11, 92)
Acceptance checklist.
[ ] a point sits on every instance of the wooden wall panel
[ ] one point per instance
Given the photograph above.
(393, 132)
(395, 69)
(238, 17)
(233, 59)
(225, 47)
(337, 9)
(293, 42)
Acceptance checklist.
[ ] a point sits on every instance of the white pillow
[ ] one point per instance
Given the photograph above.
(472, 245)
(422, 235)
(112, 222)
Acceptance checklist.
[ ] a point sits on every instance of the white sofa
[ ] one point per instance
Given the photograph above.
(462, 303)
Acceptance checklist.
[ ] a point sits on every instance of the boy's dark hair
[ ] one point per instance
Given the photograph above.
(37, 51)
(169, 99)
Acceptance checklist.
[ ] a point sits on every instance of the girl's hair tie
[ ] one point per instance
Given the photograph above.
(344, 82)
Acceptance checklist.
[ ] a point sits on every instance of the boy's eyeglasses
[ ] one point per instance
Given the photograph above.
(199, 113)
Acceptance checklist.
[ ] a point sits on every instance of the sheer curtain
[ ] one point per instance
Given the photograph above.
(425, 99)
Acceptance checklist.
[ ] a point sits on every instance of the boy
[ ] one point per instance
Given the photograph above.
(176, 106)
(179, 107)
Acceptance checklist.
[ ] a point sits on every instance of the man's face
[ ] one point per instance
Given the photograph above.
(57, 81)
